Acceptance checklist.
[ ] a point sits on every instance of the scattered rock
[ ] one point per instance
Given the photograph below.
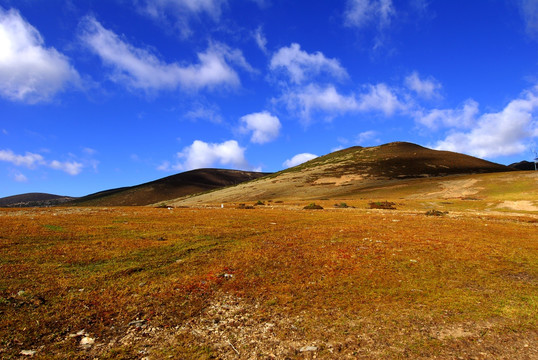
(86, 342)
(28, 352)
(308, 348)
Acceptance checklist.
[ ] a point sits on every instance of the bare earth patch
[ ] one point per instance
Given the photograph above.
(522, 205)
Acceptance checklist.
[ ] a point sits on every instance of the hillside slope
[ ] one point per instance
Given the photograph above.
(350, 171)
(171, 187)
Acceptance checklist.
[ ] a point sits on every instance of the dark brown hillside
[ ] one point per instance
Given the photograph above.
(170, 187)
(399, 160)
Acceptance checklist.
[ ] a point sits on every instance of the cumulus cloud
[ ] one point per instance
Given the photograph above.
(360, 13)
(140, 69)
(382, 98)
(300, 65)
(463, 117)
(264, 127)
(427, 88)
(32, 161)
(298, 159)
(502, 133)
(202, 155)
(313, 98)
(29, 71)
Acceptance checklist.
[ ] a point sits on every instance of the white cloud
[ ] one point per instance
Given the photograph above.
(28, 160)
(382, 98)
(260, 39)
(29, 71)
(202, 155)
(264, 127)
(464, 117)
(426, 88)
(298, 159)
(499, 134)
(361, 13)
(301, 65)
(140, 69)
(314, 98)
(32, 161)
(311, 98)
(70, 167)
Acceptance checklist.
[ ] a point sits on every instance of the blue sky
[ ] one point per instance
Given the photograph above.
(102, 94)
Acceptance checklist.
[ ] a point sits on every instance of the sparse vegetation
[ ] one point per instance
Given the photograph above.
(367, 285)
(386, 205)
(259, 203)
(313, 206)
(244, 206)
(434, 212)
(342, 205)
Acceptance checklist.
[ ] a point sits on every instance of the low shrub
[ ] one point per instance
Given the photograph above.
(387, 205)
(313, 206)
(341, 205)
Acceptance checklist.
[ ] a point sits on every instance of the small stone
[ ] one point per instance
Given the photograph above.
(87, 342)
(308, 348)
(28, 352)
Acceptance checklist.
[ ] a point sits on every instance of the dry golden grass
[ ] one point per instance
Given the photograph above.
(267, 283)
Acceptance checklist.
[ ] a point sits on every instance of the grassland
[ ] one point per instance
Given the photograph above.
(270, 282)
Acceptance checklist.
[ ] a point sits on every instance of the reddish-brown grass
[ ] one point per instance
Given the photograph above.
(266, 283)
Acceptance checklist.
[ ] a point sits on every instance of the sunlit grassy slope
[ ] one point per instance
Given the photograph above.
(281, 282)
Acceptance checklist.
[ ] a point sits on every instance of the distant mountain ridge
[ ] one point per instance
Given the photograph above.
(523, 165)
(170, 187)
(34, 200)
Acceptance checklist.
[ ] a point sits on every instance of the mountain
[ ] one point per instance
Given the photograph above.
(171, 187)
(34, 199)
(523, 165)
(351, 171)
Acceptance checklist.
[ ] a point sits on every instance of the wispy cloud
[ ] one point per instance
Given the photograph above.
(260, 39)
(529, 11)
(29, 71)
(360, 13)
(427, 88)
(182, 12)
(140, 69)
